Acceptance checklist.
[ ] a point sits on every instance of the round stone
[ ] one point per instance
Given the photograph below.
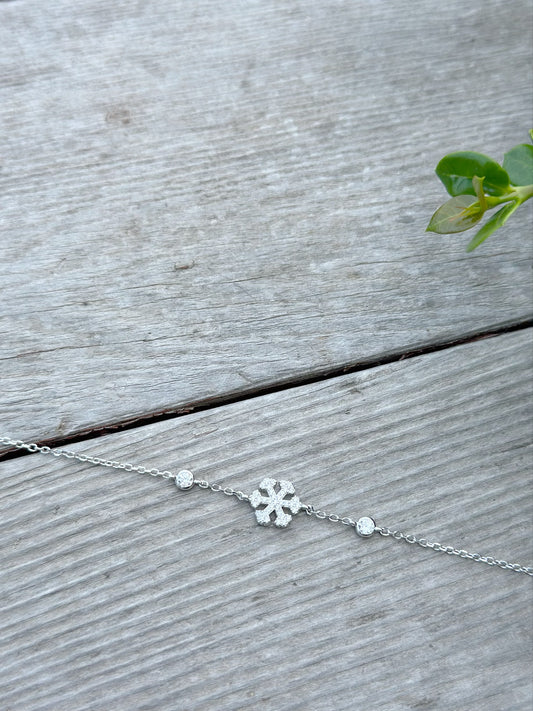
(184, 479)
(365, 526)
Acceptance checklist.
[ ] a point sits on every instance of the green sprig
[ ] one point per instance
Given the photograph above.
(478, 184)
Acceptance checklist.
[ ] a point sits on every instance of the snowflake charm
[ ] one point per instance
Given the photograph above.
(274, 502)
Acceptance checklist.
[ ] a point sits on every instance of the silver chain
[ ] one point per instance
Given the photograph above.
(227, 490)
(422, 542)
(308, 508)
(450, 550)
(324, 516)
(32, 447)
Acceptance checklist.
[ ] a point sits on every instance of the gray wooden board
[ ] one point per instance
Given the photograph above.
(200, 198)
(119, 591)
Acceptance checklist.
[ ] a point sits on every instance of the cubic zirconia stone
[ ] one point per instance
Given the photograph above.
(365, 526)
(184, 479)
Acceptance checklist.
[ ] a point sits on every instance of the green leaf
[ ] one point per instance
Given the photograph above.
(495, 222)
(456, 171)
(518, 162)
(457, 215)
(531, 134)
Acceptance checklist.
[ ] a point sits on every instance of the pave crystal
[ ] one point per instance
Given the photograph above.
(365, 526)
(272, 496)
(184, 479)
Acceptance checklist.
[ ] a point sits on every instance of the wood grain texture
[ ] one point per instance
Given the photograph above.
(203, 198)
(120, 592)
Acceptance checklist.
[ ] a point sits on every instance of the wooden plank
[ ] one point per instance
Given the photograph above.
(204, 198)
(120, 592)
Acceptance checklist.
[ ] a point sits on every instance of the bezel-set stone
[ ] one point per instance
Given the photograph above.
(184, 480)
(365, 526)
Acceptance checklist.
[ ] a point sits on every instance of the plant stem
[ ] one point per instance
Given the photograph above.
(524, 192)
(520, 194)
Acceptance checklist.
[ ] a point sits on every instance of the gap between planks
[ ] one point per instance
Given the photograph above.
(229, 398)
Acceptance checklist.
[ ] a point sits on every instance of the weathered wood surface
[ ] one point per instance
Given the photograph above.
(200, 198)
(118, 591)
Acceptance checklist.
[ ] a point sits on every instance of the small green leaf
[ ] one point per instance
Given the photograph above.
(518, 162)
(531, 134)
(456, 171)
(457, 215)
(495, 222)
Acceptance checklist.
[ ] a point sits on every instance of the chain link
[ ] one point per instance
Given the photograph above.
(323, 515)
(450, 550)
(227, 490)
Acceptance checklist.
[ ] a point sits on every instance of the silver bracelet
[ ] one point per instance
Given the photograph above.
(274, 502)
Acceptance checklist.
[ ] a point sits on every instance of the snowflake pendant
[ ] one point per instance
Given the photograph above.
(274, 502)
